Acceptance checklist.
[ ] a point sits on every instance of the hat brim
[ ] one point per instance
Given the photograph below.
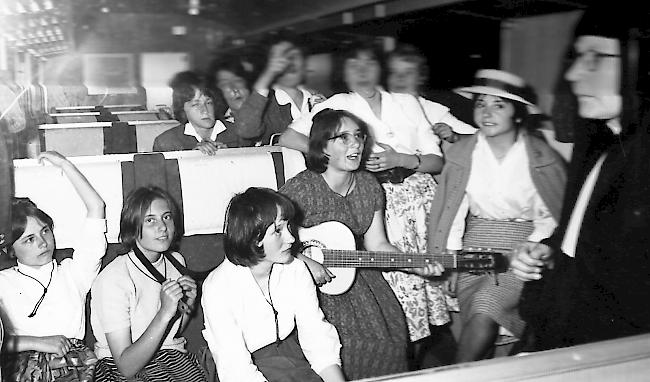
(468, 92)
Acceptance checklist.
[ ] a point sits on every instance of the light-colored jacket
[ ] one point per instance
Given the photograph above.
(547, 170)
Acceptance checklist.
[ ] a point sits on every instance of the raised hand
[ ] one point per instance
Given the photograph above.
(278, 61)
(53, 157)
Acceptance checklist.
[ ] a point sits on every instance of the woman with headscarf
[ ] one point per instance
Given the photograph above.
(594, 272)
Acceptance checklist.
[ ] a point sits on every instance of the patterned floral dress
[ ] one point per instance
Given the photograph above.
(407, 213)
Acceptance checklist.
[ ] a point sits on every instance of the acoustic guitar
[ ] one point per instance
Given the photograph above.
(332, 244)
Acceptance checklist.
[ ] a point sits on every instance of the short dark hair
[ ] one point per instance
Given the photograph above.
(248, 216)
(184, 86)
(325, 125)
(135, 208)
(21, 208)
(410, 53)
(521, 117)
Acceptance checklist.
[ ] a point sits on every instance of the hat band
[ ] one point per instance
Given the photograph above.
(489, 82)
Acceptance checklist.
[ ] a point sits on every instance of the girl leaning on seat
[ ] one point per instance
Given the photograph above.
(42, 302)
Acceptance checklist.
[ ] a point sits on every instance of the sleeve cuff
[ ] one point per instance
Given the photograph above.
(263, 92)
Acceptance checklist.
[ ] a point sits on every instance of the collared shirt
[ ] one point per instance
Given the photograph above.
(219, 127)
(239, 319)
(126, 295)
(502, 191)
(283, 98)
(62, 311)
(402, 124)
(570, 239)
(228, 116)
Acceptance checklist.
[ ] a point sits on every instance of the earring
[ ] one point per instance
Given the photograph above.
(518, 120)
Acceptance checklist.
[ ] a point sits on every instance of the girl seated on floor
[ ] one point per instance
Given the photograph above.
(141, 301)
(42, 302)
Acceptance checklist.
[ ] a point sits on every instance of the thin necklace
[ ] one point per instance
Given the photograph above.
(40, 300)
(270, 302)
(347, 192)
(145, 273)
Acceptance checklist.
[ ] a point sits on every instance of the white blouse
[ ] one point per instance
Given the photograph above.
(501, 191)
(239, 319)
(283, 98)
(62, 311)
(126, 295)
(402, 125)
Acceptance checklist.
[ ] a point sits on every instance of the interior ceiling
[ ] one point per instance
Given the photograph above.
(41, 26)
(251, 17)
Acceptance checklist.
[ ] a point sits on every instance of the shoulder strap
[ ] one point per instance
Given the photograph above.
(182, 305)
(147, 264)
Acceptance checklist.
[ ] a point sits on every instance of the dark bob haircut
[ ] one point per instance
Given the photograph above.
(135, 208)
(21, 208)
(325, 125)
(248, 216)
(521, 117)
(184, 86)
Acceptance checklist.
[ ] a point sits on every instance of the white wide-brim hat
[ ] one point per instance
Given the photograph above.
(501, 84)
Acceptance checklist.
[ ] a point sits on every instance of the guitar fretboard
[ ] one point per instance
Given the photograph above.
(366, 259)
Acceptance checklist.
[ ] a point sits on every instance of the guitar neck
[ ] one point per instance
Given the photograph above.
(338, 258)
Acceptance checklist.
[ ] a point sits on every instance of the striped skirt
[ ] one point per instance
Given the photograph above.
(166, 366)
(481, 293)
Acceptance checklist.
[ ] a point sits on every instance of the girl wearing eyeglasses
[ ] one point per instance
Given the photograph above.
(368, 317)
(405, 152)
(43, 301)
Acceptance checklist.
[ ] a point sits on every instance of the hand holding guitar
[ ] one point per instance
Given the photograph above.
(434, 269)
(529, 259)
(319, 272)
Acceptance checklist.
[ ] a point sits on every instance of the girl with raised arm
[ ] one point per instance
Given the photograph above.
(42, 301)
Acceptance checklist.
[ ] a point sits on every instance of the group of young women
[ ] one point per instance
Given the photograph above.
(370, 157)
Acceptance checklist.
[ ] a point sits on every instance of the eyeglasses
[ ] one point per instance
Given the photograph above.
(591, 59)
(350, 138)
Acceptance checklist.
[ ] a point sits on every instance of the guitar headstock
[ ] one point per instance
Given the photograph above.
(482, 260)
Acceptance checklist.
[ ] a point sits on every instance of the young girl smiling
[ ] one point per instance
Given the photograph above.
(135, 312)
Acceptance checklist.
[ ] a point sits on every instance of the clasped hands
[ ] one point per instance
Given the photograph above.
(210, 147)
(173, 291)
